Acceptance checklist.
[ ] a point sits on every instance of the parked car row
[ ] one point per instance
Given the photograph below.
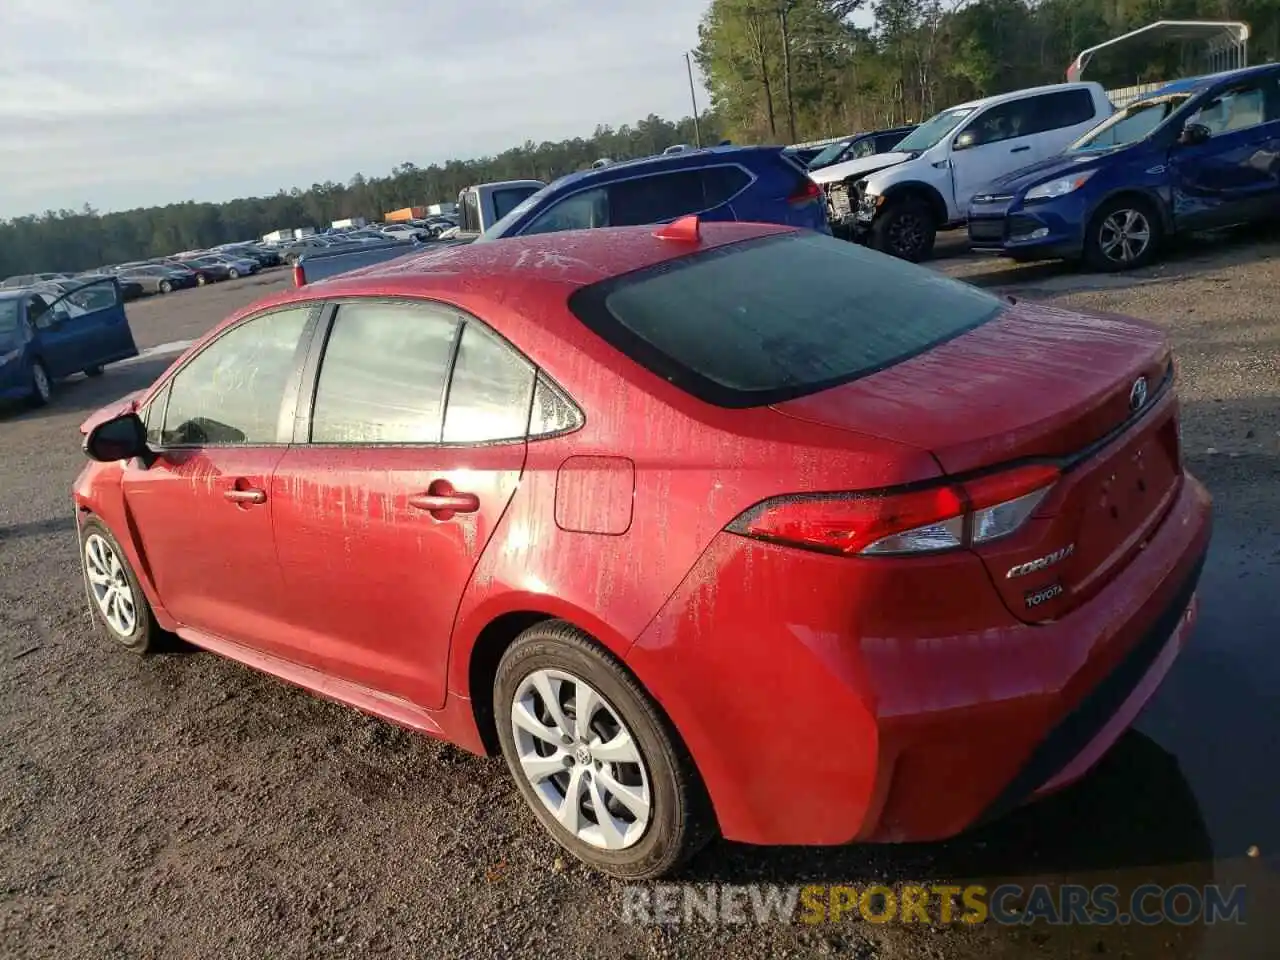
(1057, 172)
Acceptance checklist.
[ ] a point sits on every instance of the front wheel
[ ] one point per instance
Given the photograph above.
(594, 758)
(233, 274)
(41, 385)
(165, 286)
(94, 371)
(116, 602)
(1125, 234)
(201, 280)
(906, 229)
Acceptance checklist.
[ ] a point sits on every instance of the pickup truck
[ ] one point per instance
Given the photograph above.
(898, 201)
(483, 205)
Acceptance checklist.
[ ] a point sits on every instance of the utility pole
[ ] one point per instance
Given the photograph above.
(697, 131)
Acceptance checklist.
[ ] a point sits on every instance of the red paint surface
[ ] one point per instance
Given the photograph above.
(823, 697)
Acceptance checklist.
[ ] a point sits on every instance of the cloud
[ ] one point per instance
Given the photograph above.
(138, 102)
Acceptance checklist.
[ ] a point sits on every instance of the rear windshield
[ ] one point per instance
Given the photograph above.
(768, 320)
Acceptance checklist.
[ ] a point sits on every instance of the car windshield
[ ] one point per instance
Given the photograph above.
(767, 320)
(1135, 122)
(829, 154)
(931, 132)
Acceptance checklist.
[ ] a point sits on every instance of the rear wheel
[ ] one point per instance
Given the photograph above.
(594, 758)
(1125, 234)
(233, 274)
(165, 286)
(41, 385)
(94, 371)
(116, 601)
(201, 280)
(906, 229)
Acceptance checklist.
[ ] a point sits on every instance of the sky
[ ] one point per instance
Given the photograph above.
(128, 103)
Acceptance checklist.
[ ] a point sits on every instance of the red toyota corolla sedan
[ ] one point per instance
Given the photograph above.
(705, 528)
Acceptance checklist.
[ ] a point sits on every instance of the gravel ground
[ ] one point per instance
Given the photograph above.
(182, 806)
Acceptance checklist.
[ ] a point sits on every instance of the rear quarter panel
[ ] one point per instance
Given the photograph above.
(696, 467)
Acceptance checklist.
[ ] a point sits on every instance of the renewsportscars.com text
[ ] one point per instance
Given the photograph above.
(1066, 904)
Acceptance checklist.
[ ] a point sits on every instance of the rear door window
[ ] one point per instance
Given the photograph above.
(652, 199)
(768, 320)
(384, 373)
(490, 391)
(1056, 111)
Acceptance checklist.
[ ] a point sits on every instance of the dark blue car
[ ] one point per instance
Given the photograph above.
(1196, 154)
(758, 184)
(48, 334)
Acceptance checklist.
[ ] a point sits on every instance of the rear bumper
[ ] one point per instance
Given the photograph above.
(809, 731)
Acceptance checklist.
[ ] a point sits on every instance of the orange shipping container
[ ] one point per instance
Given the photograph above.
(408, 213)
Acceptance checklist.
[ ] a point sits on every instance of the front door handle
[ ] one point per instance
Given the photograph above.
(250, 495)
(1020, 149)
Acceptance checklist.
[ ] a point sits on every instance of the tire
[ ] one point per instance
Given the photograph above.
(666, 818)
(94, 371)
(233, 274)
(41, 385)
(140, 634)
(165, 286)
(1110, 243)
(906, 230)
(201, 280)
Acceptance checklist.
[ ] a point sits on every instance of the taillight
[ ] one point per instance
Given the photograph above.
(931, 519)
(805, 192)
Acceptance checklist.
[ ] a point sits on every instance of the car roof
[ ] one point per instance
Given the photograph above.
(685, 160)
(487, 278)
(1196, 84)
(1025, 92)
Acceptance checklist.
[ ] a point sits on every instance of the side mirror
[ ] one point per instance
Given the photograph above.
(1194, 133)
(121, 438)
(964, 141)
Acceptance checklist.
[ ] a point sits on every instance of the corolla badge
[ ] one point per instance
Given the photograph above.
(1043, 563)
(1138, 395)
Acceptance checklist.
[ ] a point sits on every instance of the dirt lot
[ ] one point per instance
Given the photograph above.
(181, 806)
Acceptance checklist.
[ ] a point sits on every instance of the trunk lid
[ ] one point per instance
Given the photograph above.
(1038, 383)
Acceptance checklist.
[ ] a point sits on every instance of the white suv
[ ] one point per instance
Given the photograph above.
(898, 201)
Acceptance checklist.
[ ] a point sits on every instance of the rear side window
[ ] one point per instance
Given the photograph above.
(1054, 111)
(769, 320)
(721, 184)
(660, 197)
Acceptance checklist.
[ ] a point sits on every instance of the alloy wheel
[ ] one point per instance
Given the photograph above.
(40, 381)
(1124, 236)
(906, 235)
(109, 586)
(581, 760)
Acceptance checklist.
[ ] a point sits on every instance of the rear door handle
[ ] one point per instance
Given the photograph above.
(454, 502)
(1020, 149)
(251, 495)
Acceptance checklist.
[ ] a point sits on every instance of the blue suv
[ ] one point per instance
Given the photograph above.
(759, 184)
(1196, 154)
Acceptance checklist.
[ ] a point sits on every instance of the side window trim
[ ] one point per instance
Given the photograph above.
(310, 377)
(291, 392)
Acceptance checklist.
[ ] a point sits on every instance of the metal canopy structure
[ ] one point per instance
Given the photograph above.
(1226, 42)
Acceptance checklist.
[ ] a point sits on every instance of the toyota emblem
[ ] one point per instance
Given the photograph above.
(1138, 394)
